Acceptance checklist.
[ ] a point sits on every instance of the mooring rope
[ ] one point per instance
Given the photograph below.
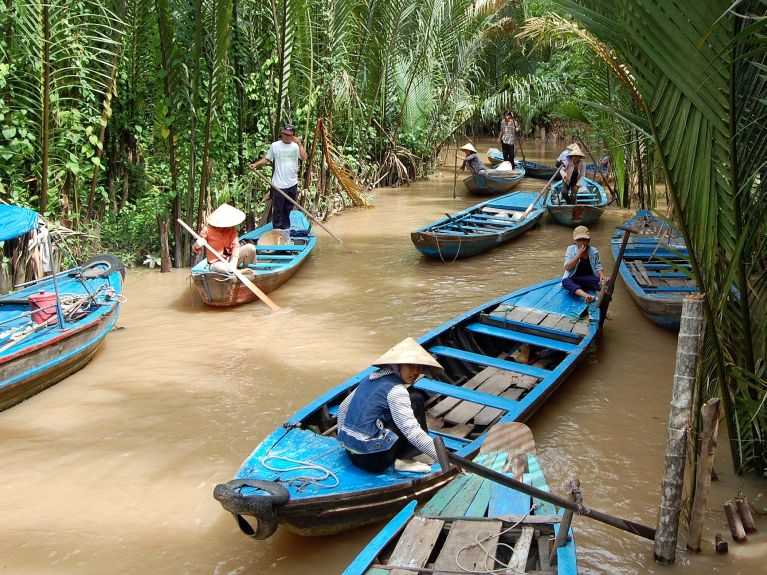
(300, 482)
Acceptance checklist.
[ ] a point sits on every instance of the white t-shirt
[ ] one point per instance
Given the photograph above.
(284, 158)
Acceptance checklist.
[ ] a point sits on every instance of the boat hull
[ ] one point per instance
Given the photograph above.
(463, 405)
(275, 265)
(576, 215)
(37, 370)
(532, 169)
(491, 184)
(589, 206)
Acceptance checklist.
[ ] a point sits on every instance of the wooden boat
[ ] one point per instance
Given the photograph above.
(443, 535)
(588, 208)
(479, 228)
(275, 264)
(36, 351)
(502, 359)
(494, 182)
(532, 169)
(656, 269)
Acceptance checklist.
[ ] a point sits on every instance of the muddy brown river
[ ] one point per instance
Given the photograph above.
(112, 470)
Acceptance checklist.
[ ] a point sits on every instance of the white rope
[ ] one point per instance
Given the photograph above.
(300, 482)
(492, 554)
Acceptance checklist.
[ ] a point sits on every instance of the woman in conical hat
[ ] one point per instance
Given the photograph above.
(384, 420)
(472, 160)
(220, 232)
(573, 171)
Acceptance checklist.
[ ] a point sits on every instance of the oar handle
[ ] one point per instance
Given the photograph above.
(299, 206)
(607, 296)
(535, 201)
(248, 284)
(445, 457)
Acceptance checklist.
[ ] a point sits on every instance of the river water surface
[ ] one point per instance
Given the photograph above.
(112, 470)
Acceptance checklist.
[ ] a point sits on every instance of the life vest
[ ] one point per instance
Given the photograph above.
(364, 430)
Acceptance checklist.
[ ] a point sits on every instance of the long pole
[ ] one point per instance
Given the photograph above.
(607, 296)
(54, 265)
(299, 206)
(446, 457)
(248, 284)
(596, 165)
(535, 201)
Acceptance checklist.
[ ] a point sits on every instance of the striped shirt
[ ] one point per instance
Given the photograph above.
(508, 132)
(402, 414)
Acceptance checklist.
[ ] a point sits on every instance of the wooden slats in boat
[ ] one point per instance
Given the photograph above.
(589, 206)
(274, 266)
(479, 228)
(442, 536)
(655, 269)
(504, 372)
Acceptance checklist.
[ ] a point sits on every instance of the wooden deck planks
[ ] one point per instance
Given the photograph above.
(488, 414)
(415, 544)
(462, 533)
(449, 403)
(522, 547)
(496, 383)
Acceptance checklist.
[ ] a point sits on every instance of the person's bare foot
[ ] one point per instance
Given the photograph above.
(589, 298)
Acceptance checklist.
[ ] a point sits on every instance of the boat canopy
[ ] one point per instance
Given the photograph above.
(15, 221)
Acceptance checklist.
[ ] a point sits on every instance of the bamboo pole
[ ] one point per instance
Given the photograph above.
(710, 418)
(733, 520)
(679, 421)
(744, 510)
(564, 528)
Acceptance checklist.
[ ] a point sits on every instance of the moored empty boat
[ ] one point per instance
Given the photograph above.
(51, 327)
(502, 360)
(481, 227)
(589, 205)
(656, 269)
(476, 526)
(276, 263)
(494, 181)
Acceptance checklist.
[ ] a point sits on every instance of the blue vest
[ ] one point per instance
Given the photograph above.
(363, 429)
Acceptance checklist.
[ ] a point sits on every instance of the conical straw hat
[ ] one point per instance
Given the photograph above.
(410, 352)
(576, 151)
(468, 148)
(225, 216)
(571, 146)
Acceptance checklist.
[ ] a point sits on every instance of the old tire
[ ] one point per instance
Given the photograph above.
(102, 265)
(261, 506)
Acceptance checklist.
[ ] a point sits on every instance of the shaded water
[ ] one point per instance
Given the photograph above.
(112, 470)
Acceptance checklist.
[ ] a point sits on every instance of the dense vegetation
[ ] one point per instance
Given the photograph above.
(119, 116)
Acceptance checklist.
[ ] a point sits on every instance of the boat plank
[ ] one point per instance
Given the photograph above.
(488, 414)
(472, 558)
(521, 551)
(416, 543)
(449, 403)
(480, 359)
(494, 385)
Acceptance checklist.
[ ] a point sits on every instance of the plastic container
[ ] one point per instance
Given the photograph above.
(43, 306)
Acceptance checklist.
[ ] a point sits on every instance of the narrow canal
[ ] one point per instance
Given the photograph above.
(112, 470)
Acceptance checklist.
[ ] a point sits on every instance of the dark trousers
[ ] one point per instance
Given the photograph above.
(570, 191)
(588, 283)
(377, 462)
(508, 152)
(281, 208)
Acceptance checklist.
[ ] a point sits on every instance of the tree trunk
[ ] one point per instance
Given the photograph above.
(710, 429)
(164, 248)
(679, 421)
(46, 108)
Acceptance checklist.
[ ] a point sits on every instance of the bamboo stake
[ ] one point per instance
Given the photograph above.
(564, 528)
(744, 510)
(710, 417)
(679, 421)
(736, 526)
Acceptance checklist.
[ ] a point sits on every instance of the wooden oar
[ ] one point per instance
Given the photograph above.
(446, 457)
(246, 282)
(299, 206)
(597, 170)
(607, 293)
(535, 201)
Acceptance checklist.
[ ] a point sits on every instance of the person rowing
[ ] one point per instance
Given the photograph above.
(220, 232)
(384, 420)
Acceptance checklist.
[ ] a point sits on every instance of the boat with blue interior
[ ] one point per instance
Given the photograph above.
(590, 204)
(502, 360)
(51, 326)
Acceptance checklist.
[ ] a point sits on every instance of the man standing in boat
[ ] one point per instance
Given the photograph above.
(583, 269)
(220, 232)
(507, 136)
(384, 420)
(284, 155)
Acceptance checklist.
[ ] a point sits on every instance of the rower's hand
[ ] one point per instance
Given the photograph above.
(200, 242)
(232, 267)
(254, 166)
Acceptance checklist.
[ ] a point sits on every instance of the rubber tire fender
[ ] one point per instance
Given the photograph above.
(262, 507)
(113, 263)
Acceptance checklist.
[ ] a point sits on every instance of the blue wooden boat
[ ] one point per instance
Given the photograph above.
(656, 269)
(532, 169)
(494, 182)
(442, 535)
(275, 264)
(39, 348)
(502, 359)
(479, 228)
(589, 205)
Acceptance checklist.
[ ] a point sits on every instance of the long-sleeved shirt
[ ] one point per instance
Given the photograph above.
(402, 415)
(571, 164)
(476, 166)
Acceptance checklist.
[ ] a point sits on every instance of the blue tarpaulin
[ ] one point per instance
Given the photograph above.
(15, 221)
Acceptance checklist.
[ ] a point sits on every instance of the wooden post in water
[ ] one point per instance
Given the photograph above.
(567, 519)
(744, 510)
(733, 520)
(710, 417)
(679, 421)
